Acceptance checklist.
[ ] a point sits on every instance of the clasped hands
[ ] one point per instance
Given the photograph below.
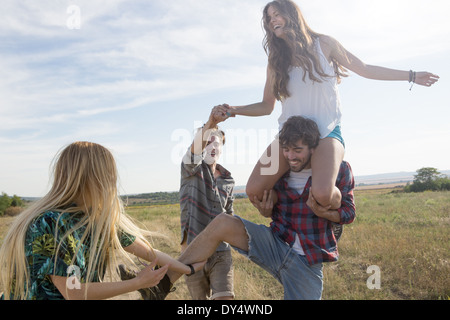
(220, 113)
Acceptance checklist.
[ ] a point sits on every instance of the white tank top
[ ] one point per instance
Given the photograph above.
(318, 101)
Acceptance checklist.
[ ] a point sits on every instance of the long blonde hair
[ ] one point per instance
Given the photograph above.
(84, 174)
(298, 49)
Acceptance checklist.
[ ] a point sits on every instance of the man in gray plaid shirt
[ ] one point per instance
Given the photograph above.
(206, 190)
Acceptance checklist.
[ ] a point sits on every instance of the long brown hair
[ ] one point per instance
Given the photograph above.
(298, 49)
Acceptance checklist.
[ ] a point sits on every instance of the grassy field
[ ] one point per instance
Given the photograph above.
(405, 235)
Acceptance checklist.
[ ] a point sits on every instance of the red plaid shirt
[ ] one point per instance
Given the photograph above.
(291, 215)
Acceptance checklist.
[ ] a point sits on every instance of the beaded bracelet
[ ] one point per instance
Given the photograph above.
(412, 78)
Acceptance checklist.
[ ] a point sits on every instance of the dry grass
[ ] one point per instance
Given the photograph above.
(406, 235)
(251, 282)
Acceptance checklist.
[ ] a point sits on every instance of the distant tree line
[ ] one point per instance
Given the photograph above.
(10, 205)
(428, 179)
(159, 198)
(155, 198)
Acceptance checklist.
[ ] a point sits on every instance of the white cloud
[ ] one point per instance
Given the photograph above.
(137, 62)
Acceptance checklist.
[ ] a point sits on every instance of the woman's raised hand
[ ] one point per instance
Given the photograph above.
(220, 113)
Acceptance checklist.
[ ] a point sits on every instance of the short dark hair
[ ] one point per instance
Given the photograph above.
(300, 128)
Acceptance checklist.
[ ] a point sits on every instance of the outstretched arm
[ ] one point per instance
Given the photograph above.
(263, 108)
(104, 290)
(353, 63)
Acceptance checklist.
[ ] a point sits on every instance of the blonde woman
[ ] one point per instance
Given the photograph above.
(304, 70)
(62, 246)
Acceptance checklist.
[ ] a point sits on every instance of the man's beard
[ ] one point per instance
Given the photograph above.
(303, 166)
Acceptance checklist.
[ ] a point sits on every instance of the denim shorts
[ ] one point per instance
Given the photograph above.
(300, 280)
(337, 134)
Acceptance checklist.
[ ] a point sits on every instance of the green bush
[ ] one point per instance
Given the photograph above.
(429, 179)
(7, 201)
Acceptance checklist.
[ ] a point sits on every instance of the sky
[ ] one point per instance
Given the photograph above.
(139, 76)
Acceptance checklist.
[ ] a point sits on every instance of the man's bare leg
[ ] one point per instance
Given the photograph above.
(223, 228)
(325, 163)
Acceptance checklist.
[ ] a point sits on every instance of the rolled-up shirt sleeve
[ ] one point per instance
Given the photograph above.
(346, 184)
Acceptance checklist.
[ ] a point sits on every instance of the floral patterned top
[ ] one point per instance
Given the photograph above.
(41, 247)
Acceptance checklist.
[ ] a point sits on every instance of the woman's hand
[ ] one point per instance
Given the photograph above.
(426, 79)
(148, 277)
